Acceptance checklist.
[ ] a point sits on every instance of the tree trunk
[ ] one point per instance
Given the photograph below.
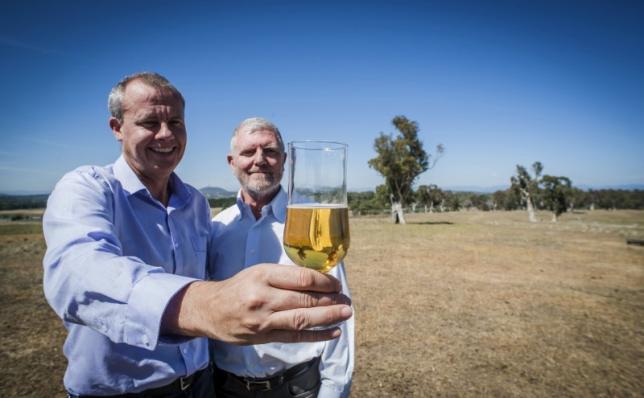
(397, 216)
(554, 217)
(529, 205)
(530, 208)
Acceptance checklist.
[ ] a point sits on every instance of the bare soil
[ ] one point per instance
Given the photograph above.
(452, 304)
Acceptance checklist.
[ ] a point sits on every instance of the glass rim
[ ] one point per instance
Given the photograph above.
(323, 144)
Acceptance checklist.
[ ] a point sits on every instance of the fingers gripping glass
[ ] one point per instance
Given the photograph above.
(317, 220)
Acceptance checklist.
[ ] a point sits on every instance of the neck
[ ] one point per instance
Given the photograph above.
(160, 190)
(257, 202)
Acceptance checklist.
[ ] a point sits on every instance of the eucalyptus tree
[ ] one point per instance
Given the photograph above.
(507, 199)
(401, 160)
(527, 186)
(578, 199)
(556, 193)
(429, 196)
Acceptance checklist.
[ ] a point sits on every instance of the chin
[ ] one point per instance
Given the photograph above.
(262, 190)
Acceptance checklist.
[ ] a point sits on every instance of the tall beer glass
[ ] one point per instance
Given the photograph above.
(317, 220)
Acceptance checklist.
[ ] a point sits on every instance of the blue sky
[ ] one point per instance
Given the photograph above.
(498, 83)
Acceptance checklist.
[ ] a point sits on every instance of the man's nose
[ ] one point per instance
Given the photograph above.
(164, 132)
(259, 157)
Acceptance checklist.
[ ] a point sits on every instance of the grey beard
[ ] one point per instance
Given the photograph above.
(260, 192)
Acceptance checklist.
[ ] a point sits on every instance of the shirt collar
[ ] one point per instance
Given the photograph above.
(277, 206)
(179, 193)
(126, 176)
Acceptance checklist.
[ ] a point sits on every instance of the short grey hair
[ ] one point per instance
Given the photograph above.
(255, 124)
(152, 79)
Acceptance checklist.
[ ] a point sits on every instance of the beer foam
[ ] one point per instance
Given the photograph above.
(317, 206)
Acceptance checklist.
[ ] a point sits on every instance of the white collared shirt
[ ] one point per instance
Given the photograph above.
(239, 241)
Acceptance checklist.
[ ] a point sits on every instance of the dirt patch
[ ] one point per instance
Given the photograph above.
(472, 304)
(454, 304)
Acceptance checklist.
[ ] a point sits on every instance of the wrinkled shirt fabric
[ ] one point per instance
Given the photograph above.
(115, 257)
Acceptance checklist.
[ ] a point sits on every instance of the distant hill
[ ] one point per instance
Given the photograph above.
(216, 193)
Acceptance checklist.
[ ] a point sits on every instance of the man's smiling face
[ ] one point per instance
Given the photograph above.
(152, 131)
(257, 161)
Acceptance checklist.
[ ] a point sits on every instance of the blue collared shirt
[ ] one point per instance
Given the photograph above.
(115, 257)
(240, 241)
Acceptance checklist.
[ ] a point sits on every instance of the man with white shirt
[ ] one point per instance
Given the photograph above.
(248, 233)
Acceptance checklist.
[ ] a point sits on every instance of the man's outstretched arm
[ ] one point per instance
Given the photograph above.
(264, 303)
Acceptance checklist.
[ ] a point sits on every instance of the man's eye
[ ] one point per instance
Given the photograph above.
(176, 122)
(148, 123)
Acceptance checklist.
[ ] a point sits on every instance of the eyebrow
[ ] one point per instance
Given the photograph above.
(152, 114)
(253, 149)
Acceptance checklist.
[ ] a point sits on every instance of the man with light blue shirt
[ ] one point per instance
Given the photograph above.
(248, 233)
(126, 259)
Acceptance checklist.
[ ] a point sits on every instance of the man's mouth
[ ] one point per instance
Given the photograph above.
(265, 172)
(162, 150)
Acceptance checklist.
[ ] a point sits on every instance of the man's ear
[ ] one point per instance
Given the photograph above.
(115, 125)
(229, 158)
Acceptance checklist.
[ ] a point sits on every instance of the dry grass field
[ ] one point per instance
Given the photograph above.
(454, 304)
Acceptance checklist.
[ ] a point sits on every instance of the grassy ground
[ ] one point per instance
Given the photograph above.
(454, 304)
(472, 304)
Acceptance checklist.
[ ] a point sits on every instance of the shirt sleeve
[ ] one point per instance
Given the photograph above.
(336, 363)
(87, 280)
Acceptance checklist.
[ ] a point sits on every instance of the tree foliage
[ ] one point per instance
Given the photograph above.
(524, 182)
(383, 195)
(364, 203)
(401, 160)
(12, 202)
(221, 202)
(429, 196)
(606, 199)
(556, 194)
(453, 201)
(527, 186)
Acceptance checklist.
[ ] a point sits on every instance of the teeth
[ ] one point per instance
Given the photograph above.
(163, 150)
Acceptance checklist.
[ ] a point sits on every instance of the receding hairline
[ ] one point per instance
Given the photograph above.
(150, 79)
(160, 92)
(253, 125)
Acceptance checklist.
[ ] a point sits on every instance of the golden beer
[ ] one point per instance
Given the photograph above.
(317, 236)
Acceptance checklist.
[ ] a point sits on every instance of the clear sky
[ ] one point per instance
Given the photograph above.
(498, 83)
